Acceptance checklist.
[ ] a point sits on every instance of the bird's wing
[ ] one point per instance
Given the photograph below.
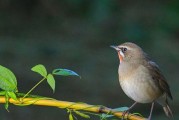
(159, 78)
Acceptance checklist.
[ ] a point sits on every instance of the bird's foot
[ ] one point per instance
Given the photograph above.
(124, 114)
(127, 111)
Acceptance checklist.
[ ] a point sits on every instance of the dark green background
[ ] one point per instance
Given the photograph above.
(76, 34)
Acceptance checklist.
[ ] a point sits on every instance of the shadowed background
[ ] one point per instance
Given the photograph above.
(76, 34)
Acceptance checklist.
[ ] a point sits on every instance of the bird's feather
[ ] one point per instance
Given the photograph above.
(158, 77)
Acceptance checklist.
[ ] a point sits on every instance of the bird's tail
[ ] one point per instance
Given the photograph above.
(164, 102)
(168, 111)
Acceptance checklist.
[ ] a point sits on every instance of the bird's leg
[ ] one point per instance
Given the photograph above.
(124, 113)
(151, 110)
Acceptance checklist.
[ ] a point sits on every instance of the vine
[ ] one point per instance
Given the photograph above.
(10, 94)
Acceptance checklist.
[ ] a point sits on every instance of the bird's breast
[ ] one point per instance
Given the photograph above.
(138, 85)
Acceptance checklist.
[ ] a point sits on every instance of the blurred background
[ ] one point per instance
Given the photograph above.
(76, 34)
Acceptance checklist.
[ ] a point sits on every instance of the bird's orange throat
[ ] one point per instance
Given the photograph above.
(120, 57)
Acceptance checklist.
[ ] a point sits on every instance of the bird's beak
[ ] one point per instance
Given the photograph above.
(115, 47)
(120, 53)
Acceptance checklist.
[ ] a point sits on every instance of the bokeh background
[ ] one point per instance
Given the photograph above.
(76, 34)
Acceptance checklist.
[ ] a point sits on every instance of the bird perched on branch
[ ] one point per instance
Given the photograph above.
(141, 79)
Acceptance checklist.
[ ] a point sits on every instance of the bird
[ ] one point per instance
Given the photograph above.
(141, 79)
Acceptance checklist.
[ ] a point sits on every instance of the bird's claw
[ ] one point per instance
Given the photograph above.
(124, 114)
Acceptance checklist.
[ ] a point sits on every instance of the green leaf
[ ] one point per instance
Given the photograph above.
(8, 80)
(12, 95)
(121, 109)
(64, 72)
(2, 93)
(40, 69)
(137, 114)
(106, 116)
(6, 105)
(70, 116)
(82, 114)
(51, 81)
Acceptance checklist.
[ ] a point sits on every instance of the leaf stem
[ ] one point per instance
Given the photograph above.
(33, 88)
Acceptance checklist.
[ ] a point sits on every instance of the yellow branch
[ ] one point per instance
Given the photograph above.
(69, 105)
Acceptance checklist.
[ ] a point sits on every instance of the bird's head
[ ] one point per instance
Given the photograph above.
(128, 52)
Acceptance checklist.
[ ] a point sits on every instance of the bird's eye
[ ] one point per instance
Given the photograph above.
(124, 49)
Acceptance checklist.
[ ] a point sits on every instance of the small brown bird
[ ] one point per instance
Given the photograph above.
(141, 79)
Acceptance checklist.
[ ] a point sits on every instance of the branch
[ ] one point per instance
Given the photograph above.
(70, 105)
